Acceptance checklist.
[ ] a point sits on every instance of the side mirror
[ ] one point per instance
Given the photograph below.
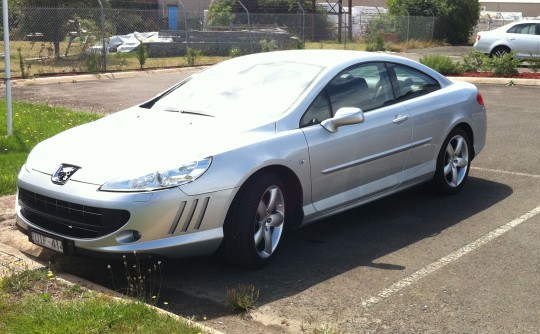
(344, 116)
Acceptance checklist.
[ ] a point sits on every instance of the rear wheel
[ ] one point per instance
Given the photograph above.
(500, 51)
(255, 222)
(453, 163)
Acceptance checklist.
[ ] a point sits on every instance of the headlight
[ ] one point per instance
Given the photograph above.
(161, 179)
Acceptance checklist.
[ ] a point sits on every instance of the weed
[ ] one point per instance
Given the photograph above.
(325, 329)
(242, 298)
(511, 83)
(25, 69)
(143, 282)
(192, 55)
(441, 64)
(534, 64)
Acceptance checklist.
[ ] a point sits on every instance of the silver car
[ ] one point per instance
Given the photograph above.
(521, 37)
(230, 158)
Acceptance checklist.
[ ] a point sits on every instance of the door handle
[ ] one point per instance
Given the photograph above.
(400, 119)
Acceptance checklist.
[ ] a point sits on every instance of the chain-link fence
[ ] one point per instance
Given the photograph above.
(72, 40)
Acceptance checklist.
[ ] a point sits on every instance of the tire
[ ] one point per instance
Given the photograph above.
(255, 223)
(500, 51)
(453, 163)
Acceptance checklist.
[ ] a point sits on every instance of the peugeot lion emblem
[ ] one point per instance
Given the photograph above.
(63, 173)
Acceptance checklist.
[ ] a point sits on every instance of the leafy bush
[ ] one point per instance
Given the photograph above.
(474, 61)
(504, 66)
(235, 52)
(441, 64)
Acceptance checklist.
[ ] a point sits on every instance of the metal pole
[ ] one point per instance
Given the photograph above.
(185, 23)
(104, 48)
(7, 60)
(249, 26)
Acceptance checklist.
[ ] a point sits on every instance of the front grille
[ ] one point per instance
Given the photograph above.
(70, 219)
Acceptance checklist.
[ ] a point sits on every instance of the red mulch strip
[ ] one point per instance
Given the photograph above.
(524, 75)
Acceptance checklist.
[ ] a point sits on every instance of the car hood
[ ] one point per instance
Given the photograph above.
(138, 141)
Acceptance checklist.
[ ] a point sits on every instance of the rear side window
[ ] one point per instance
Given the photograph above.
(526, 28)
(410, 83)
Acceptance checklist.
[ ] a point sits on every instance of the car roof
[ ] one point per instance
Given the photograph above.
(325, 58)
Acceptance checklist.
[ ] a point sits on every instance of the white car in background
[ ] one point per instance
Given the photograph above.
(521, 37)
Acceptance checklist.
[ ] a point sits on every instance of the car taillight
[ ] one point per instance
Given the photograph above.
(477, 37)
(480, 99)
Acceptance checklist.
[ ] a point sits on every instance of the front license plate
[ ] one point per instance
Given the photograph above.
(46, 241)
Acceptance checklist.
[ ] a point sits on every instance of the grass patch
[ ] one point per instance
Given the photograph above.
(32, 123)
(47, 305)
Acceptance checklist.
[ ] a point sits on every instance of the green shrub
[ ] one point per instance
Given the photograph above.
(92, 61)
(192, 55)
(141, 53)
(504, 66)
(441, 64)
(235, 52)
(375, 42)
(474, 61)
(268, 46)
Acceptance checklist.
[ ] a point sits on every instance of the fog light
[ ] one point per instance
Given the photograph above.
(128, 236)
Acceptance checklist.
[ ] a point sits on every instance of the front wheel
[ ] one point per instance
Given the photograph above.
(255, 222)
(453, 163)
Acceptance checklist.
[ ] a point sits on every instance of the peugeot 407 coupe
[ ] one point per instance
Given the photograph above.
(228, 158)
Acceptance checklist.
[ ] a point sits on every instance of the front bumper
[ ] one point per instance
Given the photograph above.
(166, 222)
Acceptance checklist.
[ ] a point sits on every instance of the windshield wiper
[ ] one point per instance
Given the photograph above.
(190, 112)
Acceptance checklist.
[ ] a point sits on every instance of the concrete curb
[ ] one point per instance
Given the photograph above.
(498, 81)
(101, 76)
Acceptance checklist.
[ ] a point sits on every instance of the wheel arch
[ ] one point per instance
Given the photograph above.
(293, 189)
(469, 131)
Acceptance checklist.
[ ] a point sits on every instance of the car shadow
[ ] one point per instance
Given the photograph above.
(313, 254)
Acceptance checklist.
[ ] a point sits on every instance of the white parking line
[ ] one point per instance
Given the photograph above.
(431, 268)
(504, 172)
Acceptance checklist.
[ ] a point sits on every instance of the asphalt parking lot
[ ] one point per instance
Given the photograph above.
(410, 263)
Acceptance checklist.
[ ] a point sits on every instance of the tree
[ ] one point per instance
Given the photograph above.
(457, 18)
(54, 18)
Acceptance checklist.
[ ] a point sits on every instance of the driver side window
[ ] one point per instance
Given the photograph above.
(366, 86)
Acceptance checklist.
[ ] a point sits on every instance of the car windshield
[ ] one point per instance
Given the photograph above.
(240, 88)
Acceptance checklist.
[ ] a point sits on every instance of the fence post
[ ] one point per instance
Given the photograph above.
(303, 22)
(249, 26)
(104, 48)
(185, 23)
(7, 60)
(408, 23)
(432, 24)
